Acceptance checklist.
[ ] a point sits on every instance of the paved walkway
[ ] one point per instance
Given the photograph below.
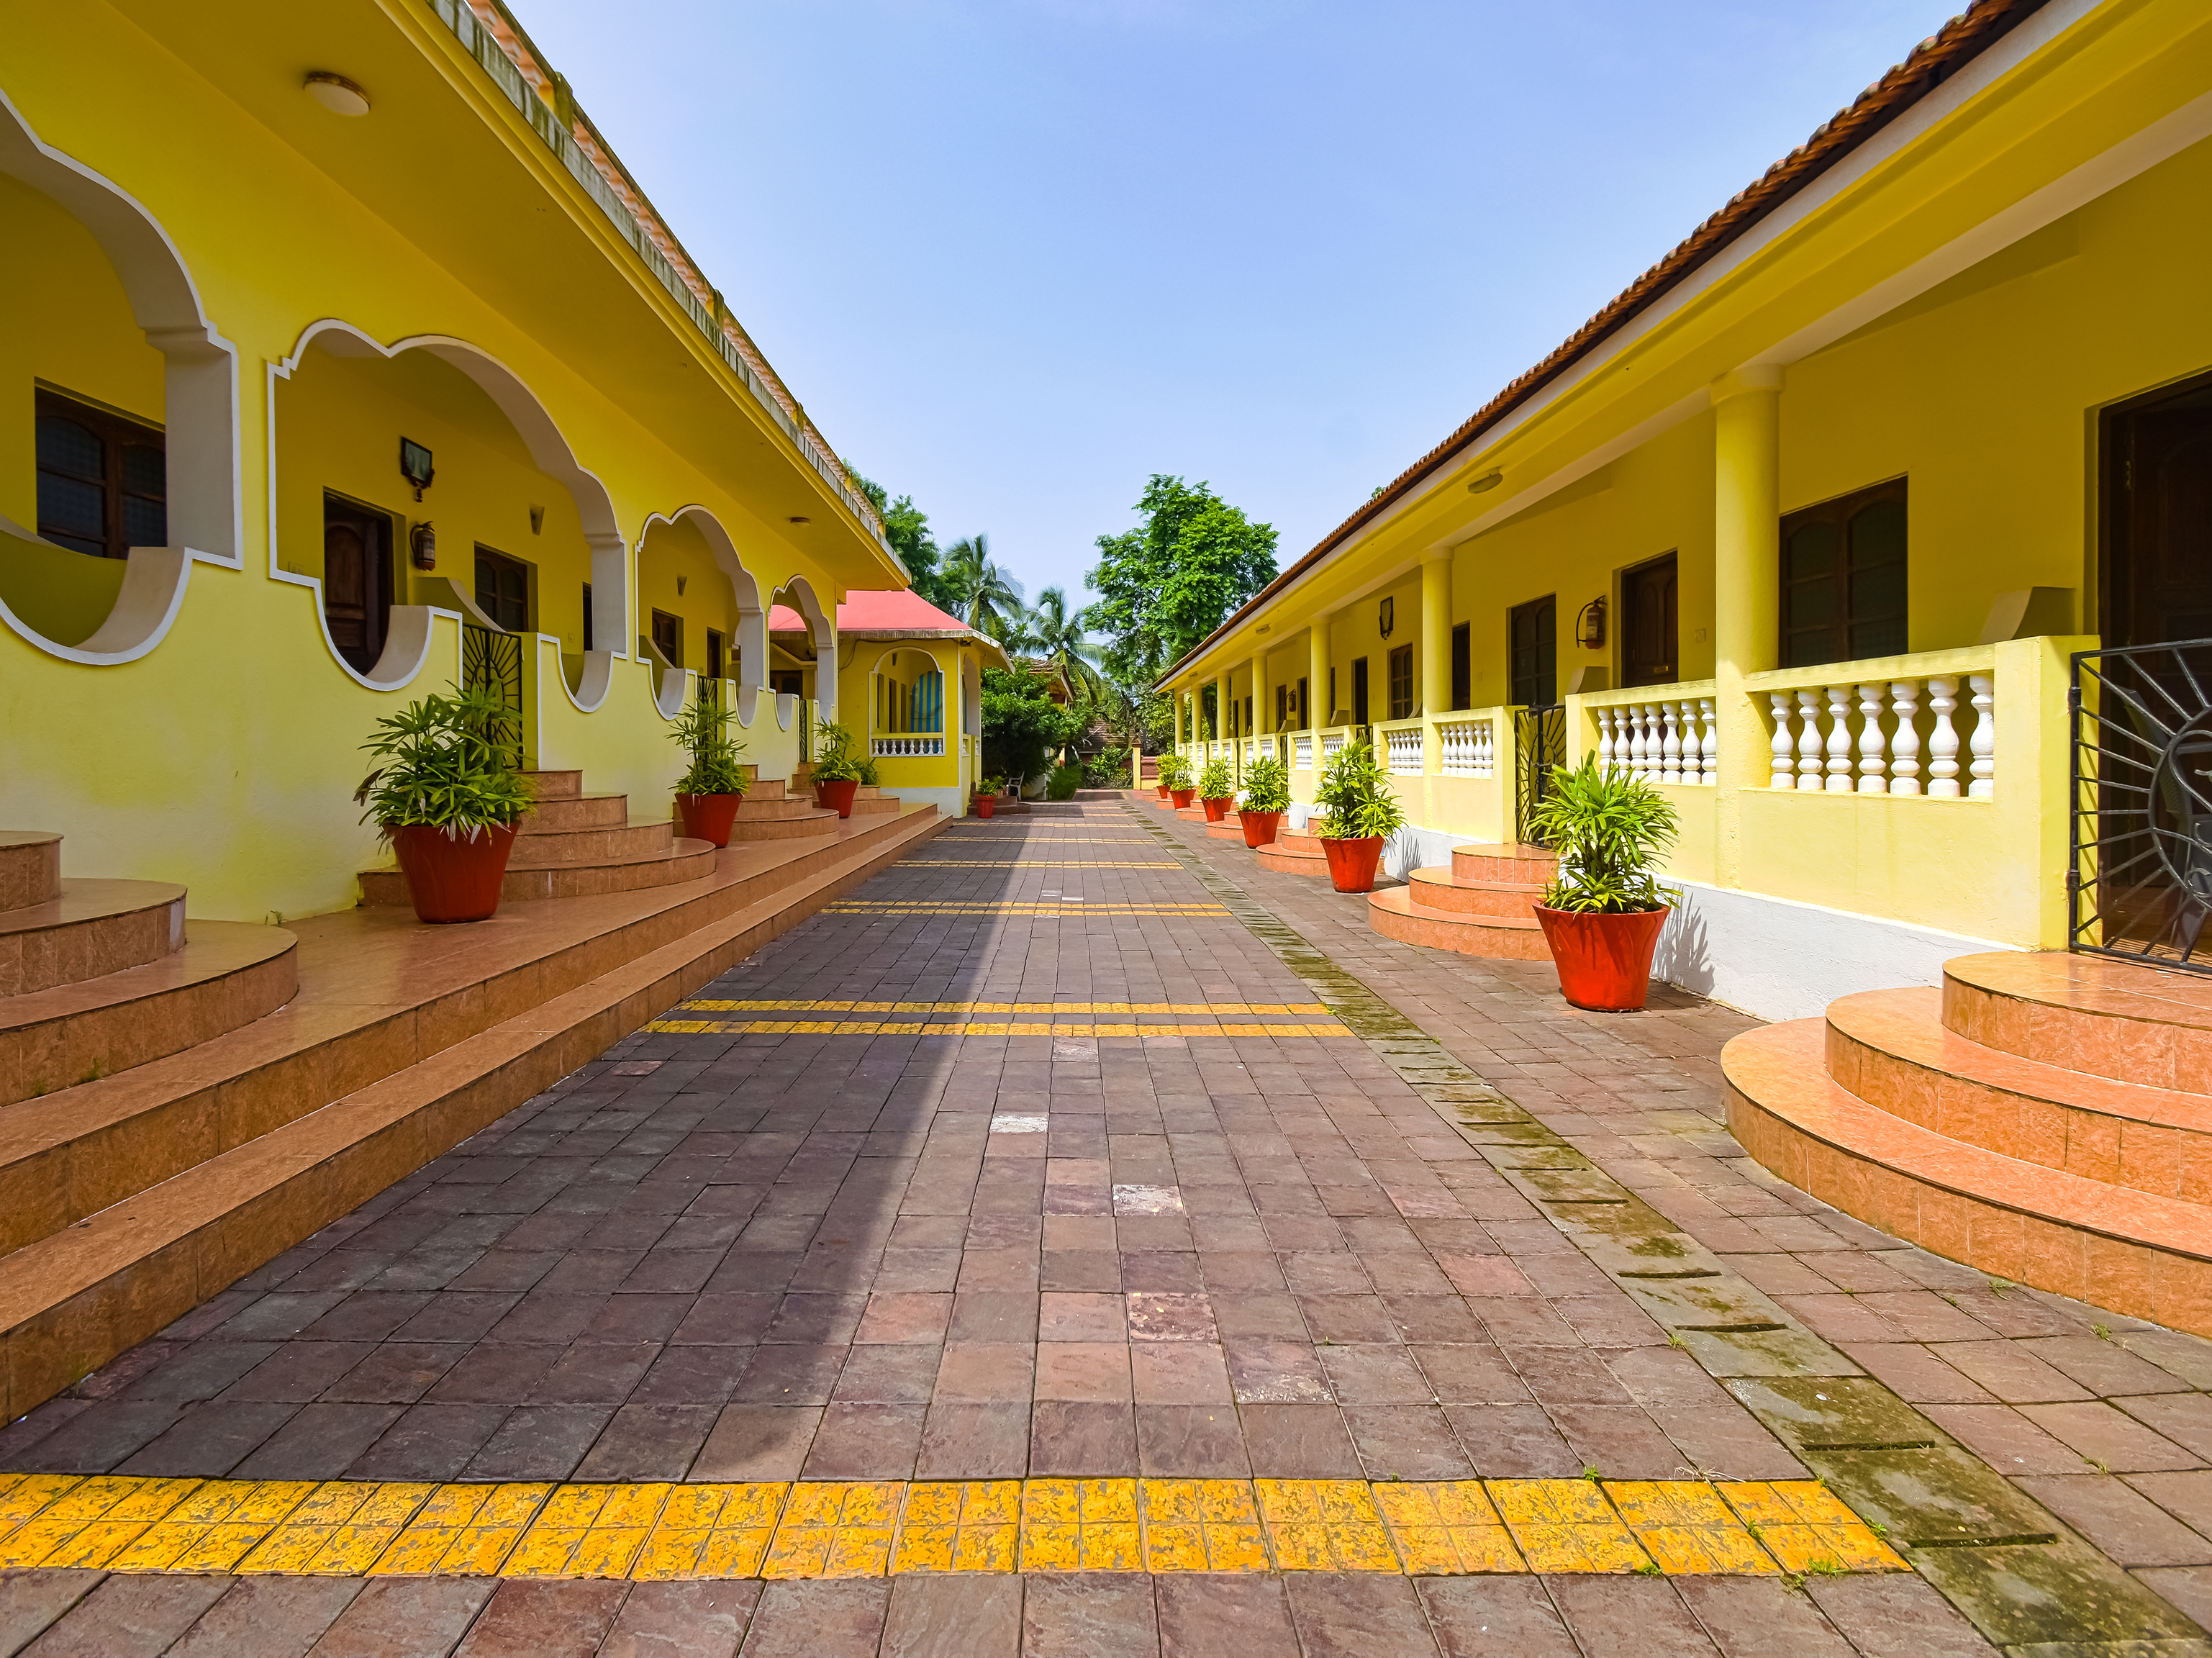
(1178, 1203)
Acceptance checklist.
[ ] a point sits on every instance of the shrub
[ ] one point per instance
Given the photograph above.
(1215, 783)
(1063, 782)
(1109, 770)
(703, 731)
(1022, 724)
(1267, 786)
(1175, 771)
(450, 763)
(1608, 827)
(833, 759)
(1354, 795)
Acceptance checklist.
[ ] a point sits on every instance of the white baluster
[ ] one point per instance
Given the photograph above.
(1840, 739)
(1983, 742)
(1784, 764)
(1648, 715)
(1604, 739)
(1671, 746)
(1486, 751)
(1872, 767)
(1710, 749)
(1904, 747)
(1809, 742)
(1943, 741)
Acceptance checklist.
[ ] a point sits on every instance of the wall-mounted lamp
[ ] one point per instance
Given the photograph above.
(415, 465)
(335, 94)
(1589, 625)
(1487, 482)
(1388, 618)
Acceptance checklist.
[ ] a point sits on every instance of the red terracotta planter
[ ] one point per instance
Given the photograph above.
(1181, 797)
(1351, 862)
(1259, 828)
(708, 817)
(1218, 808)
(1164, 790)
(453, 877)
(837, 797)
(984, 805)
(1604, 961)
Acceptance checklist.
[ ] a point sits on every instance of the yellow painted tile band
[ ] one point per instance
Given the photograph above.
(1035, 863)
(702, 1005)
(651, 1531)
(974, 1028)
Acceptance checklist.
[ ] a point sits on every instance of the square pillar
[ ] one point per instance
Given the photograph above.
(1317, 707)
(1436, 631)
(1746, 586)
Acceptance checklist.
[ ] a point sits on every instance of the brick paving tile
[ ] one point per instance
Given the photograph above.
(268, 1618)
(1202, 1616)
(1494, 1617)
(682, 1620)
(842, 1619)
(2125, 1523)
(2189, 1587)
(1629, 1617)
(1896, 1616)
(129, 1618)
(1341, 1616)
(414, 1615)
(525, 1618)
(30, 1601)
(1090, 1615)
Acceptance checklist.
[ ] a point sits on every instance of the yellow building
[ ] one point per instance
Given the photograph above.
(1806, 525)
(345, 361)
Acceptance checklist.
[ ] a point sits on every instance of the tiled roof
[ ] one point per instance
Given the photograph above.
(888, 610)
(1932, 62)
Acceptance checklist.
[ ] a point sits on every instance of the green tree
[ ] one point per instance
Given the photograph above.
(986, 596)
(906, 526)
(1022, 727)
(1060, 639)
(1165, 585)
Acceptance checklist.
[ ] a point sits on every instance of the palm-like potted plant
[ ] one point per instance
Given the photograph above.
(836, 774)
(713, 784)
(1360, 812)
(1266, 797)
(1176, 779)
(987, 794)
(1604, 910)
(448, 798)
(1217, 789)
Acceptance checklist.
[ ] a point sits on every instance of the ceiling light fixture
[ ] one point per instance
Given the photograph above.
(337, 93)
(797, 518)
(1487, 481)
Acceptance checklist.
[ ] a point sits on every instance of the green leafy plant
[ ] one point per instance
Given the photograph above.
(1064, 782)
(1267, 786)
(871, 774)
(1109, 770)
(833, 759)
(450, 763)
(1175, 771)
(1355, 797)
(703, 731)
(991, 784)
(1608, 827)
(1215, 783)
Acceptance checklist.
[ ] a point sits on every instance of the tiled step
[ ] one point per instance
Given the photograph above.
(2144, 1255)
(2135, 1024)
(1891, 1048)
(761, 807)
(93, 928)
(1482, 863)
(1294, 855)
(802, 820)
(576, 811)
(1435, 889)
(639, 838)
(682, 861)
(1193, 813)
(30, 868)
(228, 973)
(1393, 913)
(556, 785)
(455, 1060)
(1230, 828)
(870, 797)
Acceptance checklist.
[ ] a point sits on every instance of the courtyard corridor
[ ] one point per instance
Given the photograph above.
(1078, 1241)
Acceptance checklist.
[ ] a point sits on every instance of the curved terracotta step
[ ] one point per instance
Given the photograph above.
(556, 785)
(793, 826)
(1294, 855)
(1192, 814)
(92, 929)
(2147, 1256)
(576, 811)
(1490, 862)
(228, 973)
(1891, 1048)
(30, 868)
(1392, 912)
(759, 808)
(1230, 828)
(2132, 1024)
(683, 860)
(642, 837)
(1438, 888)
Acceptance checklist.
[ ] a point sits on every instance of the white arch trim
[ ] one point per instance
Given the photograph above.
(752, 613)
(199, 396)
(822, 633)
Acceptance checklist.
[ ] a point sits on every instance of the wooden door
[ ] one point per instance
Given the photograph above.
(356, 580)
(1360, 690)
(2158, 542)
(1648, 630)
(1535, 641)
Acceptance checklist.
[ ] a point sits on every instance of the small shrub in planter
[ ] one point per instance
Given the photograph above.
(1266, 797)
(836, 774)
(1175, 778)
(1604, 913)
(1063, 782)
(1216, 789)
(447, 797)
(714, 785)
(987, 794)
(1359, 814)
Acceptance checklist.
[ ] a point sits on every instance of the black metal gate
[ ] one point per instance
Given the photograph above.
(1540, 743)
(2139, 872)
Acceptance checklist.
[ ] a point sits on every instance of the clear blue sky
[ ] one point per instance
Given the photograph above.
(1016, 255)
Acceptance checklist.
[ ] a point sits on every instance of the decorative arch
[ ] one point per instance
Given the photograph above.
(822, 633)
(199, 400)
(409, 641)
(752, 611)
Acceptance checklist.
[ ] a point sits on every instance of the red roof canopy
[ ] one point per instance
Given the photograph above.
(886, 609)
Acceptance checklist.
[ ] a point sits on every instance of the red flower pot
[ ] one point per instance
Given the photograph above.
(1181, 797)
(1351, 862)
(1164, 790)
(1259, 828)
(453, 877)
(1604, 961)
(708, 817)
(837, 797)
(1218, 808)
(984, 805)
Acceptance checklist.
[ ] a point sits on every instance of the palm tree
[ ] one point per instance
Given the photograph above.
(1057, 639)
(989, 598)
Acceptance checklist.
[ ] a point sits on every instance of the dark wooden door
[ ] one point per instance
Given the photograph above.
(1647, 633)
(2158, 479)
(356, 580)
(1536, 639)
(1360, 690)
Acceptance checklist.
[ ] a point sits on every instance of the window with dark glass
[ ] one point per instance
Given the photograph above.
(1402, 683)
(1303, 712)
(1648, 624)
(1535, 644)
(668, 637)
(1332, 693)
(1843, 579)
(1462, 665)
(1282, 705)
(588, 616)
(103, 479)
(503, 590)
(1358, 691)
(714, 652)
(789, 682)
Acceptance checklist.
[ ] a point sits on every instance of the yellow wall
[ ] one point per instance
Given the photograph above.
(678, 551)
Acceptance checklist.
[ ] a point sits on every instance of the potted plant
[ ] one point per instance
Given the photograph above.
(836, 773)
(1175, 778)
(1266, 797)
(714, 785)
(987, 794)
(1604, 910)
(1217, 789)
(1359, 814)
(448, 798)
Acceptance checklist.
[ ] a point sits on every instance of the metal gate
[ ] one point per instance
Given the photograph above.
(492, 661)
(1540, 743)
(2139, 869)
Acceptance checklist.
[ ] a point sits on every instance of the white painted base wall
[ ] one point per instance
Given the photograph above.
(948, 799)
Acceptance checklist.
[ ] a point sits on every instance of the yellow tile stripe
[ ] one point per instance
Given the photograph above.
(977, 1027)
(1036, 863)
(708, 1004)
(1016, 907)
(867, 1528)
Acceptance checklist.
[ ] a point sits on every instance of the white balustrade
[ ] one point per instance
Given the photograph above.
(1332, 743)
(1468, 748)
(1673, 741)
(905, 747)
(1402, 747)
(1885, 736)
(1302, 754)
